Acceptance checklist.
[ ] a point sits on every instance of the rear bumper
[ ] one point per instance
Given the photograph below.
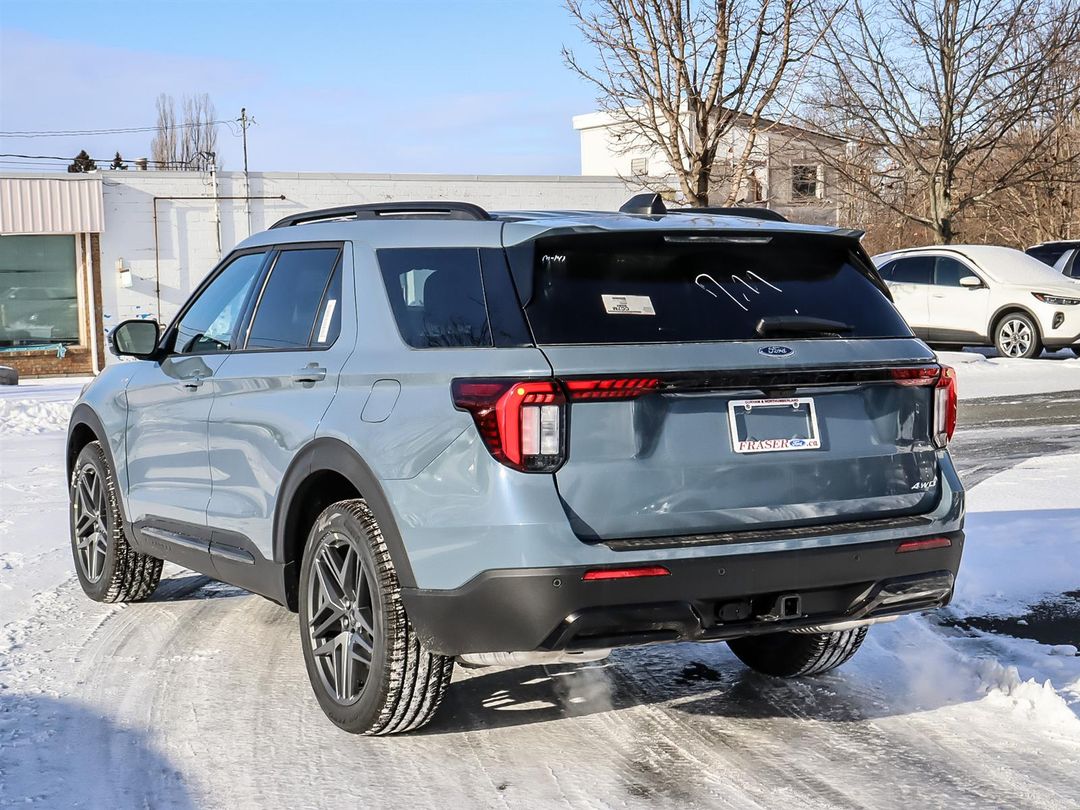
(705, 598)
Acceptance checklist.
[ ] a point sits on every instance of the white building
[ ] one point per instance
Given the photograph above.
(81, 252)
(786, 173)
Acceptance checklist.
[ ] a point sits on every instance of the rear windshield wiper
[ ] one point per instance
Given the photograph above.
(781, 325)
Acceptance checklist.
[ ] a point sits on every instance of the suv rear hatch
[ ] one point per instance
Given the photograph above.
(722, 382)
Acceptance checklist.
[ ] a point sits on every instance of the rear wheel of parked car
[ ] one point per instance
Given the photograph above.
(370, 673)
(109, 569)
(788, 655)
(1017, 335)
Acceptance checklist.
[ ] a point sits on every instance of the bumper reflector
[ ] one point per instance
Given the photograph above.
(626, 573)
(923, 545)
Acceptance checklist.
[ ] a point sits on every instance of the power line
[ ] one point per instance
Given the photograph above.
(56, 133)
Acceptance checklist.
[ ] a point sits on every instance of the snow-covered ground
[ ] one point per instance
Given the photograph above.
(198, 698)
(983, 373)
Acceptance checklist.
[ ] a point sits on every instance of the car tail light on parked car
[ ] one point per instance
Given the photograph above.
(945, 406)
(522, 423)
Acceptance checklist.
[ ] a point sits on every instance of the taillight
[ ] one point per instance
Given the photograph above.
(634, 572)
(522, 423)
(917, 375)
(945, 406)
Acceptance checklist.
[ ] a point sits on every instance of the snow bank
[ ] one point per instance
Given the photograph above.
(979, 376)
(24, 417)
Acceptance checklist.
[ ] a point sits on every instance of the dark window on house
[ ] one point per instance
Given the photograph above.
(437, 296)
(805, 182)
(38, 298)
(292, 298)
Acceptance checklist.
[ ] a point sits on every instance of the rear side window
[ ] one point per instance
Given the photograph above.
(437, 296)
(292, 299)
(683, 287)
(913, 270)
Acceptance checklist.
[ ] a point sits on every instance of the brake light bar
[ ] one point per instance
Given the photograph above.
(916, 375)
(625, 573)
(610, 388)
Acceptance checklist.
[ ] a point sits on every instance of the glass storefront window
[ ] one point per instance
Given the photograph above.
(38, 300)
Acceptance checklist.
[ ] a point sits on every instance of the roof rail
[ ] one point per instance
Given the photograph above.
(750, 212)
(440, 209)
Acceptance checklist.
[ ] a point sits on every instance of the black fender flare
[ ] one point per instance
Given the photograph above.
(335, 455)
(1011, 308)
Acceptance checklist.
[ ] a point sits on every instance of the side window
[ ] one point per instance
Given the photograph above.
(886, 271)
(437, 296)
(292, 298)
(1072, 264)
(210, 323)
(912, 270)
(948, 272)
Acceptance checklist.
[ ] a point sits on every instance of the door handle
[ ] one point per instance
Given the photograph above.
(193, 382)
(311, 373)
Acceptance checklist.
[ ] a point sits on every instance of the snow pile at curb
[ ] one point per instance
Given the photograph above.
(979, 376)
(27, 417)
(1004, 687)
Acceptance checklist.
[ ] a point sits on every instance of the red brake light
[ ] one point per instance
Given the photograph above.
(945, 402)
(626, 573)
(610, 388)
(918, 375)
(521, 423)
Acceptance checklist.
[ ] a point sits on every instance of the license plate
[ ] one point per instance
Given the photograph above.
(773, 425)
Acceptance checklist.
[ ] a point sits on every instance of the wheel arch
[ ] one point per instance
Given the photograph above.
(326, 471)
(1008, 309)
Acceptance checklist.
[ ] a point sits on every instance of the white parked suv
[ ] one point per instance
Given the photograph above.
(983, 295)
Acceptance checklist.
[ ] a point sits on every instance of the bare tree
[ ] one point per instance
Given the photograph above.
(190, 143)
(679, 76)
(949, 103)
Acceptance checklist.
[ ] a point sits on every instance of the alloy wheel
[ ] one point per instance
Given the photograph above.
(91, 528)
(341, 618)
(1015, 338)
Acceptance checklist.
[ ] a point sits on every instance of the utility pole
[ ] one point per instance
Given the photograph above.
(244, 121)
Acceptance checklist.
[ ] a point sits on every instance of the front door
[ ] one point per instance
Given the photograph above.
(169, 401)
(272, 395)
(958, 314)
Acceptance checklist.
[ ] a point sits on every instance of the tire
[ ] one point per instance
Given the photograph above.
(789, 655)
(109, 569)
(1017, 335)
(392, 684)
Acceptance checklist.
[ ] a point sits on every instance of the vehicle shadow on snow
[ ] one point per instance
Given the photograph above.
(693, 679)
(60, 753)
(192, 587)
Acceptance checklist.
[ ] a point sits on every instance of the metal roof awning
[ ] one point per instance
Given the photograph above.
(40, 205)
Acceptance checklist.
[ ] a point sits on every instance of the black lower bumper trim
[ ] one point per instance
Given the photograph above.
(702, 599)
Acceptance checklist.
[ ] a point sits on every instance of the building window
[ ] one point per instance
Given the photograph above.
(806, 182)
(639, 167)
(38, 299)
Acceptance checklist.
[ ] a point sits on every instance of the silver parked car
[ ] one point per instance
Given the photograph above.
(443, 434)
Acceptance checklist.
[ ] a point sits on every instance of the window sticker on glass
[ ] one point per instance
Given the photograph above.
(628, 305)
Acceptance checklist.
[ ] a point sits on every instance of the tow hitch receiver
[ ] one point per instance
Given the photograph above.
(787, 606)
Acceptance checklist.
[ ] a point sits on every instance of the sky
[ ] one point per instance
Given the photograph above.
(457, 86)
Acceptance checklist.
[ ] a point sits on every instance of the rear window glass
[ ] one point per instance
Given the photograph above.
(437, 296)
(664, 288)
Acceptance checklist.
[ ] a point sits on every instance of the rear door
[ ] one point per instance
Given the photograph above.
(909, 279)
(957, 313)
(272, 393)
(770, 397)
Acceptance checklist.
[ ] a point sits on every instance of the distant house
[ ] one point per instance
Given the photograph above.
(786, 172)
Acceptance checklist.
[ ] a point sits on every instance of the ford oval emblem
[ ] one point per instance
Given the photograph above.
(776, 351)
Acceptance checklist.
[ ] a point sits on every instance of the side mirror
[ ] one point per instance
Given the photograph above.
(135, 338)
(971, 282)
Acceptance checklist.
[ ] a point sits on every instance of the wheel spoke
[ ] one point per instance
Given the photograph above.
(334, 614)
(328, 582)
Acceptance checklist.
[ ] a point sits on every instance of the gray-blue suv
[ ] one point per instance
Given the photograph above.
(441, 434)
